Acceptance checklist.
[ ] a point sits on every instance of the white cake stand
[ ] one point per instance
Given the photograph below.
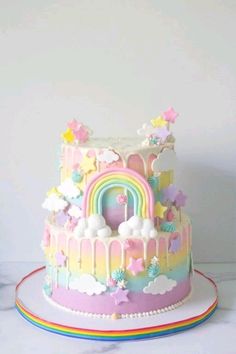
(32, 305)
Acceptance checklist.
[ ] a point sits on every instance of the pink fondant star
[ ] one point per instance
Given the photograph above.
(73, 125)
(170, 115)
(180, 199)
(120, 295)
(135, 266)
(81, 133)
(60, 259)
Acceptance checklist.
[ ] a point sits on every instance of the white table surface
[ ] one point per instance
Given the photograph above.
(216, 336)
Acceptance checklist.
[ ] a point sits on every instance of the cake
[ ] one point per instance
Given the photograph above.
(116, 241)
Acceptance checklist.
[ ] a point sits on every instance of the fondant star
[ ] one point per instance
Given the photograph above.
(61, 218)
(60, 259)
(120, 296)
(68, 136)
(162, 133)
(169, 193)
(160, 210)
(122, 283)
(180, 199)
(87, 164)
(53, 190)
(175, 244)
(81, 134)
(135, 266)
(170, 115)
(73, 124)
(158, 122)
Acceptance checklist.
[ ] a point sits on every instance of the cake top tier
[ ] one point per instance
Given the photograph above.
(117, 183)
(156, 132)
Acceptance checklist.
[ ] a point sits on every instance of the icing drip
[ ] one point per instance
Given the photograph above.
(167, 252)
(67, 250)
(107, 250)
(145, 243)
(93, 244)
(157, 248)
(79, 252)
(122, 254)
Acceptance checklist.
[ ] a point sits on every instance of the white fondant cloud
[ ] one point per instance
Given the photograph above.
(93, 226)
(165, 161)
(137, 226)
(75, 211)
(108, 156)
(87, 284)
(69, 189)
(54, 203)
(160, 285)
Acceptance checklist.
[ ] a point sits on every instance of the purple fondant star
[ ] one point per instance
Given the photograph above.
(169, 193)
(61, 218)
(175, 244)
(60, 259)
(120, 295)
(180, 199)
(135, 265)
(162, 133)
(170, 115)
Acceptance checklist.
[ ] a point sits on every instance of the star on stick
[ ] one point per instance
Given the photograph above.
(120, 296)
(169, 193)
(160, 210)
(158, 122)
(180, 199)
(68, 136)
(170, 115)
(135, 265)
(162, 133)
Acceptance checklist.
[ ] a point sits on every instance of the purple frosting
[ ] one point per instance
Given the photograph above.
(104, 303)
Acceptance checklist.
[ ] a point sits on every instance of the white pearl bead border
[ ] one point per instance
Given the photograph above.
(123, 316)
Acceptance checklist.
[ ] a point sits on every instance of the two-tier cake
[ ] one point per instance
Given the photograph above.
(116, 241)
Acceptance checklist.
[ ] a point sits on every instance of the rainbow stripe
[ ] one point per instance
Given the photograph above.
(114, 335)
(119, 177)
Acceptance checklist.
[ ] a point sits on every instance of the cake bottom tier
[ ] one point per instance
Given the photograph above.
(122, 276)
(139, 303)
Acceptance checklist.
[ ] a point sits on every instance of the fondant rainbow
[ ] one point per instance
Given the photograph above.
(119, 177)
(114, 335)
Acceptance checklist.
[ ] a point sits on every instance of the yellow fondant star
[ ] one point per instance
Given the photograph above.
(68, 136)
(87, 164)
(158, 122)
(53, 190)
(160, 210)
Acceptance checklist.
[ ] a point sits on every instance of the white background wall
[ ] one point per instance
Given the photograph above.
(116, 64)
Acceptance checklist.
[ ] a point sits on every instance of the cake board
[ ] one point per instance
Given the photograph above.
(41, 313)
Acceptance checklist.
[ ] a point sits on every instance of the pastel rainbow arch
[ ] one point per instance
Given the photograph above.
(119, 177)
